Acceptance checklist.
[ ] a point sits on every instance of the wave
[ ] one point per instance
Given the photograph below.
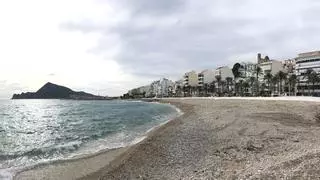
(80, 149)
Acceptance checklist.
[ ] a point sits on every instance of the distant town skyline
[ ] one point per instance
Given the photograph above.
(108, 47)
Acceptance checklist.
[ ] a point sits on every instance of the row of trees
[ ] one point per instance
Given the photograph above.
(256, 85)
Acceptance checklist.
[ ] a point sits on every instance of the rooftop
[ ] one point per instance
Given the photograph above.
(308, 54)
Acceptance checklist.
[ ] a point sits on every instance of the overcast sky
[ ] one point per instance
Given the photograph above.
(109, 46)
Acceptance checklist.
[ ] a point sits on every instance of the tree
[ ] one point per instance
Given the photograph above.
(308, 76)
(205, 89)
(223, 87)
(237, 74)
(199, 89)
(282, 76)
(229, 83)
(258, 72)
(313, 79)
(252, 80)
(292, 83)
(236, 70)
(212, 87)
(268, 78)
(246, 86)
(218, 78)
(275, 80)
(241, 87)
(263, 87)
(186, 90)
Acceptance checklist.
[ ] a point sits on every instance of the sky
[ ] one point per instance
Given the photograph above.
(107, 47)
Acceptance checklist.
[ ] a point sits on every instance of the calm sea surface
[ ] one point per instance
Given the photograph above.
(35, 131)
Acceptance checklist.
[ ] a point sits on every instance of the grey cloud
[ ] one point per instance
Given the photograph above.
(186, 35)
(151, 7)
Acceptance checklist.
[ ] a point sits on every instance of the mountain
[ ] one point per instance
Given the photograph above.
(54, 91)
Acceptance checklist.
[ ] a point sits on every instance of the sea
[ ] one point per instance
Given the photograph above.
(42, 131)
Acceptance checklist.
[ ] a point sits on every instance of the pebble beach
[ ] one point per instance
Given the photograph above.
(215, 138)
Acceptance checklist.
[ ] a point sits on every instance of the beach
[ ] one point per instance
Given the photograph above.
(215, 138)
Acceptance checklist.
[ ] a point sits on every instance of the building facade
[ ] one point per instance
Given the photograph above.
(289, 66)
(305, 61)
(247, 70)
(224, 72)
(166, 88)
(206, 77)
(191, 79)
(269, 66)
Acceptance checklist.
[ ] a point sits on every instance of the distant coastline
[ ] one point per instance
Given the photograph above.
(54, 91)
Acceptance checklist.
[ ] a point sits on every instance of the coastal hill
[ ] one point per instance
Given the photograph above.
(54, 91)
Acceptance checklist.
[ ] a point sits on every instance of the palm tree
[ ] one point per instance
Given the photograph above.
(241, 86)
(246, 86)
(237, 74)
(258, 72)
(263, 87)
(252, 80)
(236, 70)
(212, 87)
(223, 87)
(218, 78)
(229, 83)
(187, 90)
(292, 83)
(313, 79)
(282, 76)
(275, 80)
(308, 76)
(205, 89)
(268, 78)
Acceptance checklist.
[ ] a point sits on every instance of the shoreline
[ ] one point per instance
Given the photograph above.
(67, 167)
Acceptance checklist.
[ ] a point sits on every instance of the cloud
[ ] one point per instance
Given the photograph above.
(166, 38)
(154, 7)
(111, 44)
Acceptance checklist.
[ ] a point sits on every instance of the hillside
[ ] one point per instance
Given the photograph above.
(54, 91)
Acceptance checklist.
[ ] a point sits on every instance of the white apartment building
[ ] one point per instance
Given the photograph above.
(270, 66)
(224, 72)
(191, 79)
(305, 61)
(166, 87)
(155, 88)
(206, 77)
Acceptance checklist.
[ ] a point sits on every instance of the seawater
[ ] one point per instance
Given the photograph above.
(37, 131)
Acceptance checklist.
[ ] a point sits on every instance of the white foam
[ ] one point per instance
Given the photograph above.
(137, 140)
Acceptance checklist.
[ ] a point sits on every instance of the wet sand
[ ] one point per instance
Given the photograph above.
(71, 169)
(217, 139)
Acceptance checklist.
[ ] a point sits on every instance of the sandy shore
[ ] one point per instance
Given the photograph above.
(216, 139)
(71, 169)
